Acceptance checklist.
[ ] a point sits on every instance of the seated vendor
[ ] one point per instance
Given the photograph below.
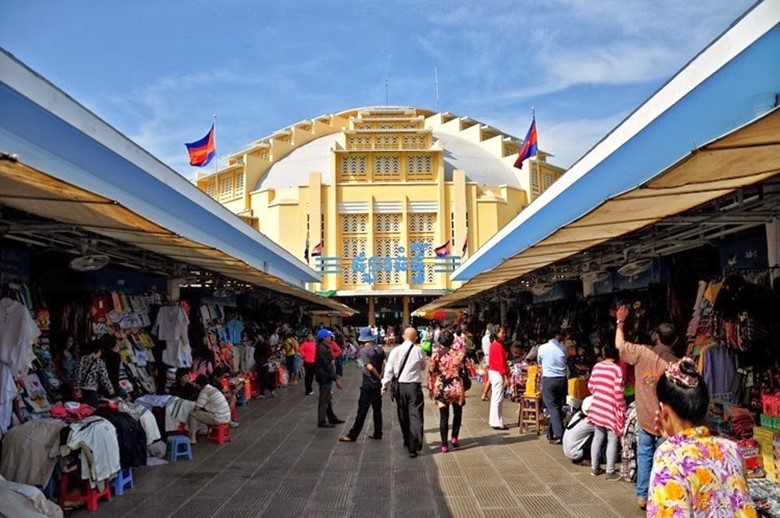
(211, 407)
(91, 378)
(578, 434)
(183, 387)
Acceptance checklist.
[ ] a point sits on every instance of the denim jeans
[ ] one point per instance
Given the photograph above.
(645, 449)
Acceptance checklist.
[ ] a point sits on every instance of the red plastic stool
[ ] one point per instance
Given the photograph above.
(234, 415)
(90, 497)
(219, 433)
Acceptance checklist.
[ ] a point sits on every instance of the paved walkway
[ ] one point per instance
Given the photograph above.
(280, 464)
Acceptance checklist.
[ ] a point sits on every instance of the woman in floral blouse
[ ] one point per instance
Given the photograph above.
(694, 474)
(445, 385)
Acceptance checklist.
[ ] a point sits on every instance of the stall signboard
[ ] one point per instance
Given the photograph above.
(15, 264)
(370, 267)
(744, 254)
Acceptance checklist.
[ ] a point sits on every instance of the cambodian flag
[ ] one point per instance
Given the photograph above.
(202, 151)
(317, 251)
(530, 146)
(443, 250)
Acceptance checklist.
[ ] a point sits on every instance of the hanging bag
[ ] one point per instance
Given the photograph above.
(464, 376)
(395, 386)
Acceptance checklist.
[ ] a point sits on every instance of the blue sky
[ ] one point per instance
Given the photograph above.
(158, 70)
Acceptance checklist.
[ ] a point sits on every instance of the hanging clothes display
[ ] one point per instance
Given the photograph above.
(18, 330)
(131, 437)
(30, 451)
(172, 326)
(96, 440)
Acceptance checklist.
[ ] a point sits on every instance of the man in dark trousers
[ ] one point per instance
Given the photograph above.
(410, 377)
(325, 373)
(372, 357)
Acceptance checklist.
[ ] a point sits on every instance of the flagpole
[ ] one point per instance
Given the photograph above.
(536, 155)
(216, 159)
(436, 80)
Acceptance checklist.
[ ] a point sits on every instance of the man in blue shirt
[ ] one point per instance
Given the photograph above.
(552, 357)
(372, 356)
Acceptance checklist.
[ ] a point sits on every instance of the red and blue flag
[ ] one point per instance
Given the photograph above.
(202, 151)
(443, 250)
(530, 145)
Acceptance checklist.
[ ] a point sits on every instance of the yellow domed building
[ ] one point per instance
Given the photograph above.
(383, 201)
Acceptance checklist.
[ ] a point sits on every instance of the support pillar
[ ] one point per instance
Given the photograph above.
(407, 320)
(587, 288)
(503, 308)
(773, 247)
(371, 311)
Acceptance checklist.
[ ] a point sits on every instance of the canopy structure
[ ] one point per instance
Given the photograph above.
(64, 163)
(711, 129)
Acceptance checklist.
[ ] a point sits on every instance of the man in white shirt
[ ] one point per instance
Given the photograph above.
(211, 408)
(410, 401)
(486, 354)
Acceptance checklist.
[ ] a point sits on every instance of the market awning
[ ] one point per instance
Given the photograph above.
(73, 167)
(30, 190)
(644, 170)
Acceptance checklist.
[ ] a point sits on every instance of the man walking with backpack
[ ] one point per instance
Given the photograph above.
(405, 370)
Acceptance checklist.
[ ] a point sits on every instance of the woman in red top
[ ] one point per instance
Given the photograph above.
(308, 351)
(497, 373)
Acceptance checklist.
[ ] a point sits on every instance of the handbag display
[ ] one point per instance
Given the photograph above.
(395, 387)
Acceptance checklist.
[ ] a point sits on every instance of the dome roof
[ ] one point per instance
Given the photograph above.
(481, 166)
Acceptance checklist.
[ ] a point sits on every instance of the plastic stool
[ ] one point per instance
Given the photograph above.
(179, 446)
(90, 497)
(123, 479)
(219, 433)
(247, 389)
(241, 398)
(234, 415)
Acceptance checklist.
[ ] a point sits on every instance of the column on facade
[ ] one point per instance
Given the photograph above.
(406, 317)
(371, 311)
(773, 247)
(502, 305)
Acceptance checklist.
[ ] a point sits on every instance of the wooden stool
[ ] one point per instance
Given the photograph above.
(530, 414)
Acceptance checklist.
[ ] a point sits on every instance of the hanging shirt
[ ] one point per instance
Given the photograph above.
(235, 328)
(699, 476)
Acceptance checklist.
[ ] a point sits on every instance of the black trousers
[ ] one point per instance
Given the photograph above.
(554, 392)
(370, 397)
(309, 378)
(410, 415)
(324, 407)
(444, 421)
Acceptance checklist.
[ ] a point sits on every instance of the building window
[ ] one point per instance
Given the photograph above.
(388, 247)
(226, 187)
(387, 167)
(535, 184)
(414, 142)
(547, 180)
(240, 184)
(387, 142)
(354, 223)
(452, 227)
(211, 188)
(353, 168)
(419, 166)
(387, 223)
(359, 143)
(422, 222)
(350, 248)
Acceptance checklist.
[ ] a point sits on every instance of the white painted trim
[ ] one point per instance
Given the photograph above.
(389, 293)
(388, 207)
(423, 206)
(353, 207)
(760, 20)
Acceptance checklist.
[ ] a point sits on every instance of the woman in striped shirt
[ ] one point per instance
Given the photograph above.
(608, 411)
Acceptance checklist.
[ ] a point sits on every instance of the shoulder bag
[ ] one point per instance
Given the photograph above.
(395, 387)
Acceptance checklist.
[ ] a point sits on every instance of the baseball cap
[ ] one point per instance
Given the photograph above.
(323, 333)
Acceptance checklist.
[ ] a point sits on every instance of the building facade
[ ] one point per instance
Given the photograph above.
(384, 201)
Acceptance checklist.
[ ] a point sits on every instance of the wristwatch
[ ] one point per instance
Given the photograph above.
(621, 321)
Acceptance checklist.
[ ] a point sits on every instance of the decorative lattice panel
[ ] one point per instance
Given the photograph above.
(353, 246)
(427, 242)
(422, 222)
(387, 223)
(211, 188)
(387, 166)
(354, 223)
(347, 275)
(414, 141)
(419, 164)
(226, 187)
(354, 167)
(239, 184)
(386, 246)
(430, 276)
(359, 142)
(386, 142)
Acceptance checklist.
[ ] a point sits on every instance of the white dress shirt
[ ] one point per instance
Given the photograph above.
(414, 368)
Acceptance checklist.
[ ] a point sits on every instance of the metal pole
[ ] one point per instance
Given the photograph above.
(216, 158)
